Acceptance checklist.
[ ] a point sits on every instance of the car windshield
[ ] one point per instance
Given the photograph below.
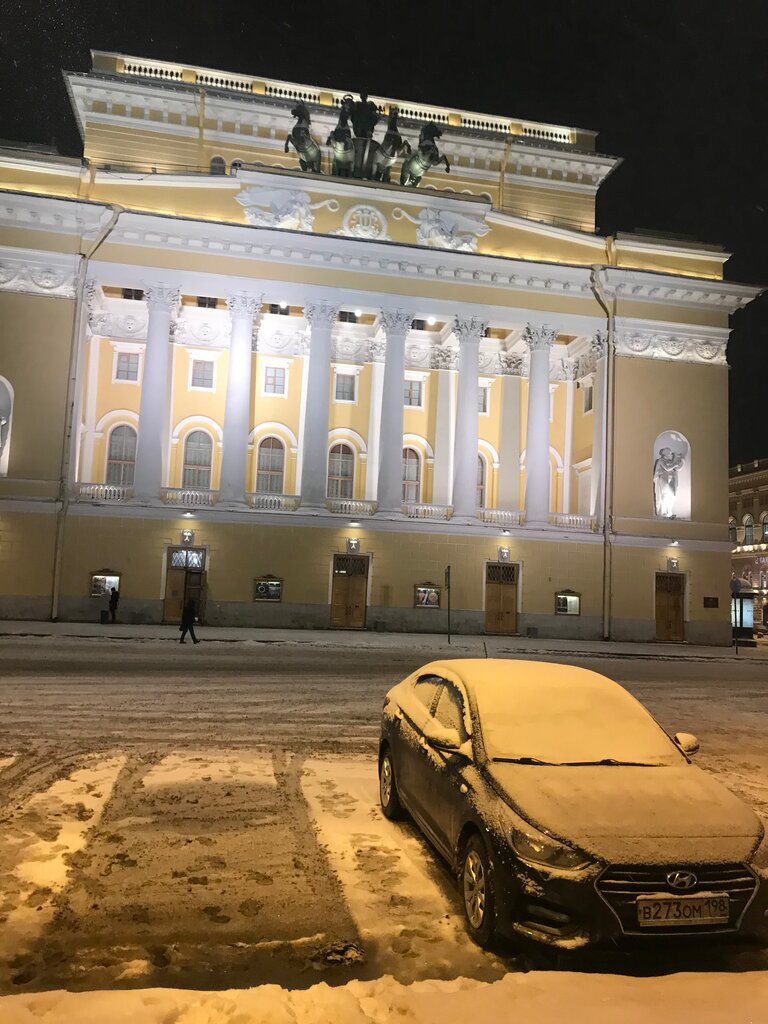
(572, 717)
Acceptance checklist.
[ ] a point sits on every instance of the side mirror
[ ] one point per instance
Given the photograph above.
(441, 737)
(687, 743)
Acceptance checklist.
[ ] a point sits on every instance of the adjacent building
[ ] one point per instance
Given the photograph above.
(748, 533)
(297, 396)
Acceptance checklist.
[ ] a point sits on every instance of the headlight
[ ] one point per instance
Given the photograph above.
(759, 858)
(533, 846)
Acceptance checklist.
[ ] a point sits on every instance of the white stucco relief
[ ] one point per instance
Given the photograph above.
(445, 229)
(289, 209)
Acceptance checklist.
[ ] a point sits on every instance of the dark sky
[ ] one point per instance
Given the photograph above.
(679, 89)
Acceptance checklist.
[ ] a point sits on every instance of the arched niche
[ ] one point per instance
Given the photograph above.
(6, 422)
(671, 478)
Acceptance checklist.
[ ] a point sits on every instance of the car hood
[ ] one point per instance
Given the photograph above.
(631, 815)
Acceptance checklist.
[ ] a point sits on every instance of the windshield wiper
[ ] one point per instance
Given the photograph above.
(609, 761)
(525, 760)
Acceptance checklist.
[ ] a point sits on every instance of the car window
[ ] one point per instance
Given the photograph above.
(425, 688)
(449, 711)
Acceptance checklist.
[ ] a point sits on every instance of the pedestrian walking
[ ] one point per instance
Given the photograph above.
(114, 599)
(188, 622)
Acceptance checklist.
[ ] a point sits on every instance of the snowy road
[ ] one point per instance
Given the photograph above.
(207, 818)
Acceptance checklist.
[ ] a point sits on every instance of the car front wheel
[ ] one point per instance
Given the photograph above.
(390, 801)
(477, 889)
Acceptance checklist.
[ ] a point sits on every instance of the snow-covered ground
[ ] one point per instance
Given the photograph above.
(207, 820)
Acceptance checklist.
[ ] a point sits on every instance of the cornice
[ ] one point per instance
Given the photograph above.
(676, 290)
(57, 214)
(650, 339)
(37, 272)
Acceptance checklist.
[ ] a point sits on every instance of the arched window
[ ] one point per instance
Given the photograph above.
(411, 475)
(270, 466)
(749, 530)
(121, 456)
(480, 481)
(198, 455)
(341, 469)
(764, 527)
(217, 165)
(732, 531)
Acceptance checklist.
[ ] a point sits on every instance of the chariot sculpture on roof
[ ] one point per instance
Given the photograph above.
(356, 154)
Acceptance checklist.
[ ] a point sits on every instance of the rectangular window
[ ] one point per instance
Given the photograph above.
(347, 317)
(345, 387)
(202, 373)
(267, 588)
(412, 393)
(482, 400)
(133, 293)
(418, 325)
(567, 603)
(127, 366)
(279, 309)
(274, 380)
(206, 301)
(427, 595)
(587, 389)
(102, 583)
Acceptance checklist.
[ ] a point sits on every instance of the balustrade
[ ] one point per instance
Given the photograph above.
(426, 510)
(104, 492)
(188, 496)
(572, 521)
(273, 502)
(351, 506)
(500, 516)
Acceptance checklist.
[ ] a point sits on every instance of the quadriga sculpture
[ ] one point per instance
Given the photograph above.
(426, 156)
(341, 142)
(392, 146)
(302, 141)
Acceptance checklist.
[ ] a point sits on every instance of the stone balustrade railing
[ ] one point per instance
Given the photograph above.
(351, 507)
(188, 496)
(500, 516)
(572, 521)
(273, 502)
(426, 510)
(103, 492)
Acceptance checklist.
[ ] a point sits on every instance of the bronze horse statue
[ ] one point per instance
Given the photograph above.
(302, 141)
(426, 156)
(341, 141)
(392, 146)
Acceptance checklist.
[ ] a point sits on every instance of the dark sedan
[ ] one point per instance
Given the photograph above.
(568, 814)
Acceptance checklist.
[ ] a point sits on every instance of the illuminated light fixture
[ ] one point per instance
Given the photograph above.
(674, 543)
(505, 533)
(188, 515)
(431, 321)
(358, 312)
(354, 524)
(283, 305)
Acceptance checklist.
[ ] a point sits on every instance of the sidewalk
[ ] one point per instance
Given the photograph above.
(460, 646)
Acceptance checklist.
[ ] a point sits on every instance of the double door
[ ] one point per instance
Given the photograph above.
(501, 598)
(348, 591)
(670, 606)
(185, 580)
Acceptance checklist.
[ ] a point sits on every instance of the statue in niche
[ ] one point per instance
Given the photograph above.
(426, 156)
(340, 140)
(392, 146)
(302, 141)
(3, 433)
(665, 481)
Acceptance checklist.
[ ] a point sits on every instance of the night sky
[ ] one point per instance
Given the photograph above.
(679, 89)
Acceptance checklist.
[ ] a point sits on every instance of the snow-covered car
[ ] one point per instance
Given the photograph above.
(567, 813)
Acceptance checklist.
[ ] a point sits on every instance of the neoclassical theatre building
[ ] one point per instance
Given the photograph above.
(291, 353)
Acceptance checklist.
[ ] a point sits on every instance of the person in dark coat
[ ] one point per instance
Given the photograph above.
(114, 598)
(188, 622)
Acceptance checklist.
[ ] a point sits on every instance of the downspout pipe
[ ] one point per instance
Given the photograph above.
(78, 322)
(606, 488)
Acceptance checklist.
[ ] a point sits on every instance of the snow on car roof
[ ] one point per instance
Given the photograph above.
(484, 672)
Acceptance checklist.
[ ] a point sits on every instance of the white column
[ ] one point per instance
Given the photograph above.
(396, 324)
(376, 349)
(539, 341)
(314, 444)
(152, 444)
(237, 411)
(570, 390)
(444, 361)
(509, 447)
(465, 449)
(599, 348)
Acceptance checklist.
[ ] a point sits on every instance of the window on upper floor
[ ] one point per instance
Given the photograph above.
(341, 469)
(133, 293)
(274, 380)
(127, 366)
(206, 301)
(279, 308)
(411, 476)
(480, 481)
(345, 387)
(587, 393)
(482, 400)
(202, 374)
(218, 166)
(732, 535)
(413, 393)
(198, 458)
(346, 316)
(270, 466)
(121, 456)
(418, 325)
(749, 530)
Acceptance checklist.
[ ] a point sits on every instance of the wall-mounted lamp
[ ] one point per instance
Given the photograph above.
(431, 321)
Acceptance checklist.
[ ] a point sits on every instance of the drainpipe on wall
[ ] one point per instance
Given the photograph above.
(606, 491)
(78, 320)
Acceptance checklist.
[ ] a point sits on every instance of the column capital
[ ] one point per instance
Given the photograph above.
(469, 328)
(396, 321)
(598, 345)
(539, 336)
(161, 296)
(511, 364)
(243, 305)
(321, 314)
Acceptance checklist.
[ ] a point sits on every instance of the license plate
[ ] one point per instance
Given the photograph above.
(660, 912)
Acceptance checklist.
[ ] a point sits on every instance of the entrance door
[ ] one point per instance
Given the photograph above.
(348, 591)
(185, 580)
(670, 596)
(501, 598)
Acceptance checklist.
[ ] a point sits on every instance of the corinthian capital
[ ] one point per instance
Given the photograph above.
(539, 336)
(469, 329)
(161, 296)
(243, 305)
(321, 314)
(598, 345)
(396, 321)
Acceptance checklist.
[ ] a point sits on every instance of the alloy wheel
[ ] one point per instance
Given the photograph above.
(474, 889)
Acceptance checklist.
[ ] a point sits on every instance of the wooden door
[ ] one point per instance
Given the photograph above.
(670, 597)
(501, 598)
(175, 586)
(195, 591)
(348, 591)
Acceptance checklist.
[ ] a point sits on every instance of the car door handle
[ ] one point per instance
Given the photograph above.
(422, 741)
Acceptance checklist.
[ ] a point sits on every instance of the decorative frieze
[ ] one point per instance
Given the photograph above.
(377, 349)
(107, 324)
(443, 357)
(213, 332)
(511, 364)
(288, 209)
(37, 273)
(445, 229)
(669, 345)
